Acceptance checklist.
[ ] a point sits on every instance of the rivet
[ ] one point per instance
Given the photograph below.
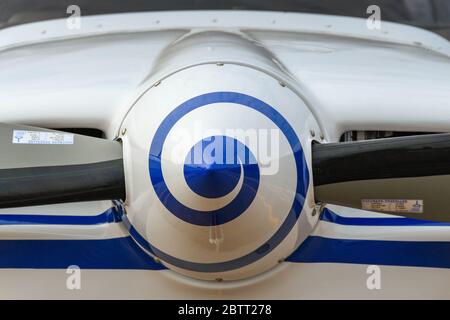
(282, 84)
(219, 64)
(124, 130)
(157, 83)
(219, 279)
(157, 260)
(322, 136)
(313, 133)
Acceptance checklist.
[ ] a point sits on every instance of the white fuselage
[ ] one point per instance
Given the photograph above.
(347, 78)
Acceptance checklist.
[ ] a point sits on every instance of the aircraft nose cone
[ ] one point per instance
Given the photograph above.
(211, 171)
(216, 174)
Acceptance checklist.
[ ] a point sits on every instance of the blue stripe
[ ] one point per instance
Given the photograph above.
(196, 266)
(434, 254)
(117, 253)
(137, 236)
(124, 253)
(330, 216)
(109, 216)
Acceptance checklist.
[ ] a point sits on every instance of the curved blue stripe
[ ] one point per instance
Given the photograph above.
(117, 253)
(330, 216)
(123, 253)
(227, 213)
(137, 236)
(260, 252)
(109, 216)
(220, 216)
(315, 249)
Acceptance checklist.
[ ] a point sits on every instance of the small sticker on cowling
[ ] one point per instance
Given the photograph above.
(41, 137)
(393, 205)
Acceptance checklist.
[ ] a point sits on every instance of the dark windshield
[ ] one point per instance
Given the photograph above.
(433, 15)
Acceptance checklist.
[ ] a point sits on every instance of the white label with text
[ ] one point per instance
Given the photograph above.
(393, 205)
(41, 137)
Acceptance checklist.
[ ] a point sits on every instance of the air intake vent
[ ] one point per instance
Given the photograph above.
(370, 135)
(91, 132)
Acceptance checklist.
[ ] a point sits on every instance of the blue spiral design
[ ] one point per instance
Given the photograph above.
(214, 218)
(212, 167)
(199, 184)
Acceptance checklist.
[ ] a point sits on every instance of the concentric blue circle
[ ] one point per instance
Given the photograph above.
(212, 167)
(218, 217)
(206, 218)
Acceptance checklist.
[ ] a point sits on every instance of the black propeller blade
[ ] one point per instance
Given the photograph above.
(406, 176)
(40, 166)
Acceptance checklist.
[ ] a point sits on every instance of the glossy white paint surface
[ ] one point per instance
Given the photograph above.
(220, 20)
(353, 78)
(294, 281)
(347, 77)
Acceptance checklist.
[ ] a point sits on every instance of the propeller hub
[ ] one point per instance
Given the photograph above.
(217, 174)
(212, 167)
